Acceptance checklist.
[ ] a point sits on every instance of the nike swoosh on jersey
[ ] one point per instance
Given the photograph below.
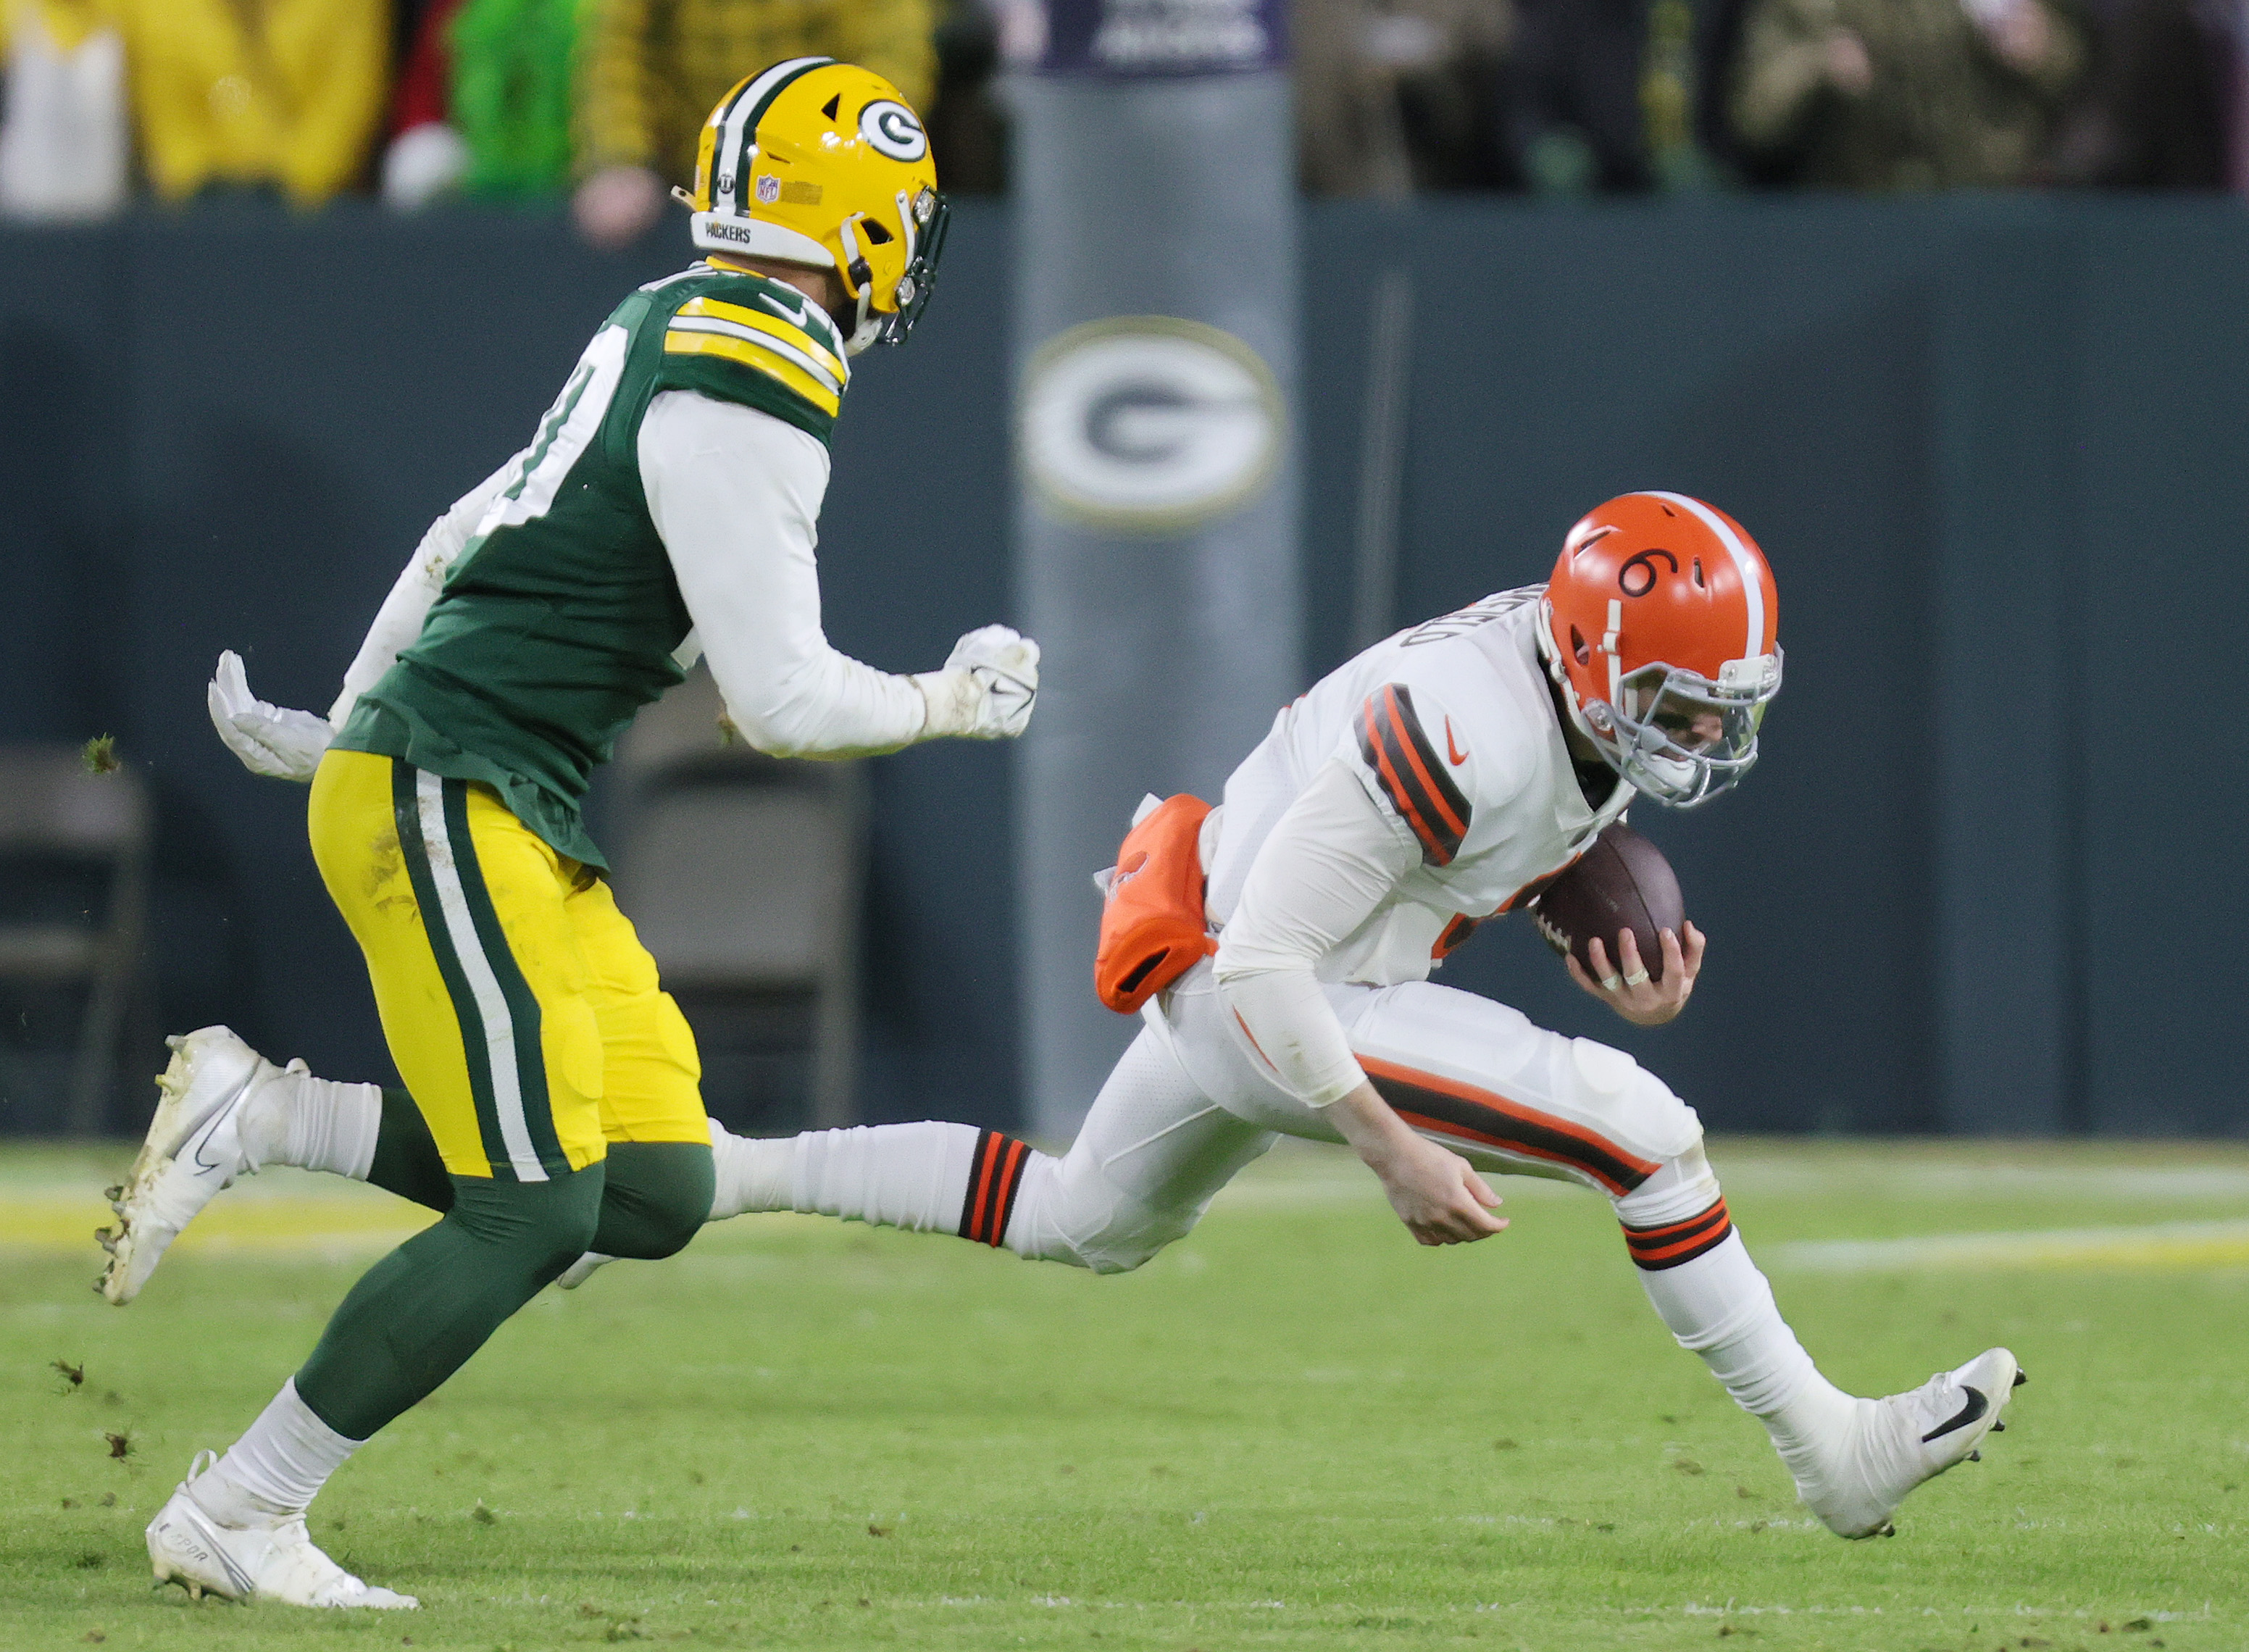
(801, 316)
(1975, 1407)
(1452, 750)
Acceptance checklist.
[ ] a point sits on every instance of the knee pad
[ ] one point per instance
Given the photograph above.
(1645, 1117)
(1637, 1109)
(1683, 1187)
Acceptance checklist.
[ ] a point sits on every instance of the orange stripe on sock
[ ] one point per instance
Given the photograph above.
(1003, 1193)
(1657, 1236)
(1667, 1246)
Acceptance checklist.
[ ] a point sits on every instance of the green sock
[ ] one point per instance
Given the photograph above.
(418, 1314)
(406, 1160)
(657, 1197)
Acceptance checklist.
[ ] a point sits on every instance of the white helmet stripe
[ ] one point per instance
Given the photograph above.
(1744, 564)
(727, 159)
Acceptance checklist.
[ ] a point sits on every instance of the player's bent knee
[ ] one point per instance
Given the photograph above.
(1069, 1212)
(540, 1226)
(1636, 1109)
(656, 1197)
(1657, 1131)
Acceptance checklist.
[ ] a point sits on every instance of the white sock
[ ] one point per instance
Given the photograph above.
(925, 1178)
(910, 1176)
(313, 1124)
(1699, 1277)
(273, 1472)
(750, 1173)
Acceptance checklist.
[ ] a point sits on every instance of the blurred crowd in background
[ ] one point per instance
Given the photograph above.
(599, 101)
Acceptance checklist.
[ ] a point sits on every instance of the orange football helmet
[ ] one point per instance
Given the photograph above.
(1661, 630)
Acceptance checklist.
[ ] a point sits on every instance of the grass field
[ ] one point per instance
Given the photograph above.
(1293, 1430)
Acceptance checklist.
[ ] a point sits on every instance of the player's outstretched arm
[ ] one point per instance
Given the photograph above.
(283, 743)
(270, 739)
(736, 493)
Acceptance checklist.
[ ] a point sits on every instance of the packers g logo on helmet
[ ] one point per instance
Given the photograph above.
(894, 129)
(822, 163)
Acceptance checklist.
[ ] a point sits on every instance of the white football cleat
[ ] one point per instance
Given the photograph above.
(275, 1562)
(582, 1269)
(195, 1147)
(1897, 1443)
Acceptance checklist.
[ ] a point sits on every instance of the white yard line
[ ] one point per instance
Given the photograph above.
(2162, 1244)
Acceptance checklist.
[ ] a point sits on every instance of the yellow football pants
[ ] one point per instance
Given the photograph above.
(521, 1009)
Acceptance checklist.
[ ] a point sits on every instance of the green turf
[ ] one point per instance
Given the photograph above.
(1293, 1430)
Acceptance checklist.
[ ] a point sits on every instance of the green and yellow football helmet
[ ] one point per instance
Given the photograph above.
(822, 163)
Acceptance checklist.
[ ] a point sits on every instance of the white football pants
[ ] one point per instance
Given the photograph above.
(1191, 1102)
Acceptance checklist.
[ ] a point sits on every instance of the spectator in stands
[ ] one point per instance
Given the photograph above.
(63, 139)
(426, 155)
(2169, 108)
(283, 95)
(652, 69)
(1394, 95)
(1904, 94)
(967, 128)
(483, 102)
(1573, 114)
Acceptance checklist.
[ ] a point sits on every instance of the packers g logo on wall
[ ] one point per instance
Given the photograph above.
(1148, 423)
(894, 129)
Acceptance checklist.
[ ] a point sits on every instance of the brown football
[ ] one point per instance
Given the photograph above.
(1622, 882)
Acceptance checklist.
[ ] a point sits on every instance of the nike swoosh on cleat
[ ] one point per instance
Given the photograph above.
(1977, 1406)
(203, 1138)
(210, 1128)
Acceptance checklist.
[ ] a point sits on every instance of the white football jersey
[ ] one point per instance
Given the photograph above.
(1451, 727)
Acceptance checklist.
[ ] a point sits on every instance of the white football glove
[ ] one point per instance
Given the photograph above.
(270, 739)
(987, 690)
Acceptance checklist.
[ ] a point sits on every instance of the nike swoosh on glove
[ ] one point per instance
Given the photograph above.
(987, 688)
(270, 739)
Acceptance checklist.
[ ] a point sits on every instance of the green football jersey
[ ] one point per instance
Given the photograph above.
(562, 618)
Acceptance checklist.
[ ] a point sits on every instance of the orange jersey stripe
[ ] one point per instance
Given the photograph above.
(1409, 742)
(1378, 751)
